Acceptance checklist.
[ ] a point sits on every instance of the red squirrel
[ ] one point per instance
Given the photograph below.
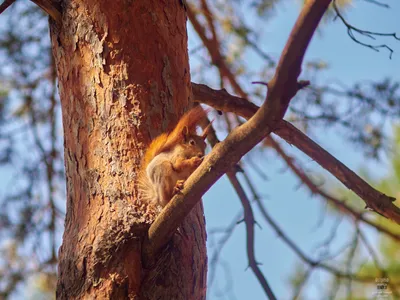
(171, 158)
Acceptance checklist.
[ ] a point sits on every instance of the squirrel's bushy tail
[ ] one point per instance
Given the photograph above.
(147, 192)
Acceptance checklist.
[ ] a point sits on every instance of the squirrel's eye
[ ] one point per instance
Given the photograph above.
(192, 142)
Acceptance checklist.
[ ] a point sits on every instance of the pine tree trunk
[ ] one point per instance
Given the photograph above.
(124, 78)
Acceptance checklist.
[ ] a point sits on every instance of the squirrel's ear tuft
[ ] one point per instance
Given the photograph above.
(185, 132)
(206, 131)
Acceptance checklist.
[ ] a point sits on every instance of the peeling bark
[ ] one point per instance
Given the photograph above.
(124, 78)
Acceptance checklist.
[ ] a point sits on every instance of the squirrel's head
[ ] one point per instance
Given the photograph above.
(195, 145)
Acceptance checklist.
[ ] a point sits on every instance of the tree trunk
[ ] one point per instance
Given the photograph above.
(124, 78)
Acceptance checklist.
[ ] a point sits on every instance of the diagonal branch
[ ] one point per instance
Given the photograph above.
(342, 206)
(313, 264)
(374, 199)
(52, 8)
(5, 5)
(242, 139)
(310, 261)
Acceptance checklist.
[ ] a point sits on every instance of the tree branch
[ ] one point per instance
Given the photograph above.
(378, 3)
(370, 34)
(213, 262)
(374, 199)
(250, 221)
(316, 190)
(311, 262)
(5, 5)
(212, 46)
(52, 8)
(241, 140)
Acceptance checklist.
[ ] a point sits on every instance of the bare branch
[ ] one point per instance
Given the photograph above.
(370, 34)
(378, 3)
(342, 206)
(210, 20)
(223, 101)
(52, 8)
(5, 5)
(220, 244)
(241, 140)
(300, 286)
(311, 262)
(212, 46)
(250, 221)
(374, 199)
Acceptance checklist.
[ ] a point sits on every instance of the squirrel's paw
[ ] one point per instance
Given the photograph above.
(179, 186)
(196, 161)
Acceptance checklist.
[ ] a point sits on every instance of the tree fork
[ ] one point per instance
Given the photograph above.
(124, 78)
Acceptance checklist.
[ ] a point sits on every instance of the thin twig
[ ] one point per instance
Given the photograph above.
(300, 286)
(370, 34)
(304, 257)
(378, 3)
(216, 56)
(349, 262)
(220, 244)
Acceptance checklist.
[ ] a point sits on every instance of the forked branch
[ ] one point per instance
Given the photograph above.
(369, 34)
(241, 140)
(374, 199)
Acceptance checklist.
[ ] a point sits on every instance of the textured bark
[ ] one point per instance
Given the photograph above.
(123, 78)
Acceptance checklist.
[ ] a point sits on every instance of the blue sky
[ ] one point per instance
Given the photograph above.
(294, 209)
